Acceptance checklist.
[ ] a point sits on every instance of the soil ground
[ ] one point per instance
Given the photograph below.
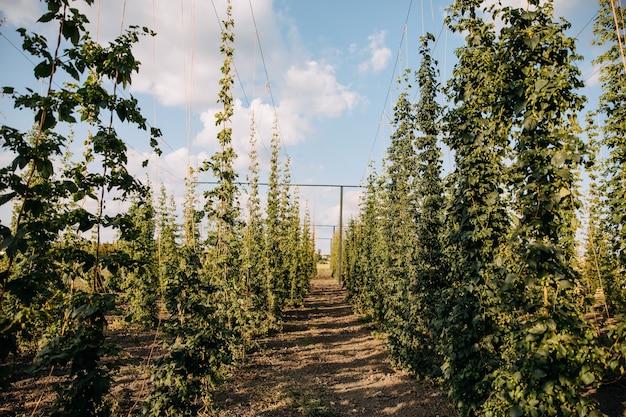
(327, 362)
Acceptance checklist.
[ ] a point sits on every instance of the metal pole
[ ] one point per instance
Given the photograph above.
(340, 267)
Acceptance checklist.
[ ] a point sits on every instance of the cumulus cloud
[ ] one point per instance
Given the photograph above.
(181, 69)
(379, 54)
(312, 89)
(292, 128)
(181, 65)
(21, 12)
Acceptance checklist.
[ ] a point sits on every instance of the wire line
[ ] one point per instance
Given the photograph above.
(387, 97)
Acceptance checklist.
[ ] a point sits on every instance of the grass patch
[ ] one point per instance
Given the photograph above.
(309, 405)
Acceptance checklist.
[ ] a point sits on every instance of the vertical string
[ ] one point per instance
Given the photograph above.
(423, 25)
(123, 14)
(618, 32)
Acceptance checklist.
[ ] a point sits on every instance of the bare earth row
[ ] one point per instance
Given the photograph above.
(326, 363)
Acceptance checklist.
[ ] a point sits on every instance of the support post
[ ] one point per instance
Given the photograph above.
(340, 266)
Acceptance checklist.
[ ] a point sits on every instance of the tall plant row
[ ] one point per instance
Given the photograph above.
(476, 278)
(209, 285)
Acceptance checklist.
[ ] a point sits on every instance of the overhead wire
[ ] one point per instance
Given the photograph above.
(387, 97)
(119, 92)
(267, 79)
(122, 92)
(153, 83)
(423, 25)
(621, 9)
(384, 114)
(185, 85)
(237, 75)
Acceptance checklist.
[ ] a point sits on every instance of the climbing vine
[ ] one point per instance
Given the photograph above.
(40, 271)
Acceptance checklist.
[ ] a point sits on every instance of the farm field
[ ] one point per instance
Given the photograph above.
(326, 362)
(477, 267)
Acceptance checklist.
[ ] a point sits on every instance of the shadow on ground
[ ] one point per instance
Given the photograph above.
(326, 363)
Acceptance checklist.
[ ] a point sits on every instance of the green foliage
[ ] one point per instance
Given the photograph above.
(38, 262)
(208, 325)
(366, 256)
(167, 238)
(252, 251)
(78, 342)
(476, 214)
(197, 337)
(141, 284)
(400, 234)
(555, 348)
(295, 250)
(501, 310)
(430, 259)
(612, 139)
(274, 286)
(395, 265)
(307, 256)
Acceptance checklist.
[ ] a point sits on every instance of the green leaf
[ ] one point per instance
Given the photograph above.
(541, 83)
(43, 69)
(530, 122)
(48, 118)
(559, 158)
(122, 112)
(4, 198)
(565, 284)
(548, 387)
(532, 41)
(520, 105)
(44, 167)
(588, 378)
(46, 17)
(13, 245)
(516, 411)
(539, 328)
(510, 279)
(70, 32)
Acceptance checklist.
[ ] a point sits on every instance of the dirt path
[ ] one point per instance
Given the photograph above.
(325, 363)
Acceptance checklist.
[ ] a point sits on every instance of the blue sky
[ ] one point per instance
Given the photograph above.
(327, 69)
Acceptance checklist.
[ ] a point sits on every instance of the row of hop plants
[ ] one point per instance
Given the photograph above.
(476, 278)
(209, 297)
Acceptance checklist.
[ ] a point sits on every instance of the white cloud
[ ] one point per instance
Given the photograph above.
(310, 91)
(313, 90)
(181, 66)
(292, 129)
(21, 12)
(592, 76)
(379, 54)
(185, 67)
